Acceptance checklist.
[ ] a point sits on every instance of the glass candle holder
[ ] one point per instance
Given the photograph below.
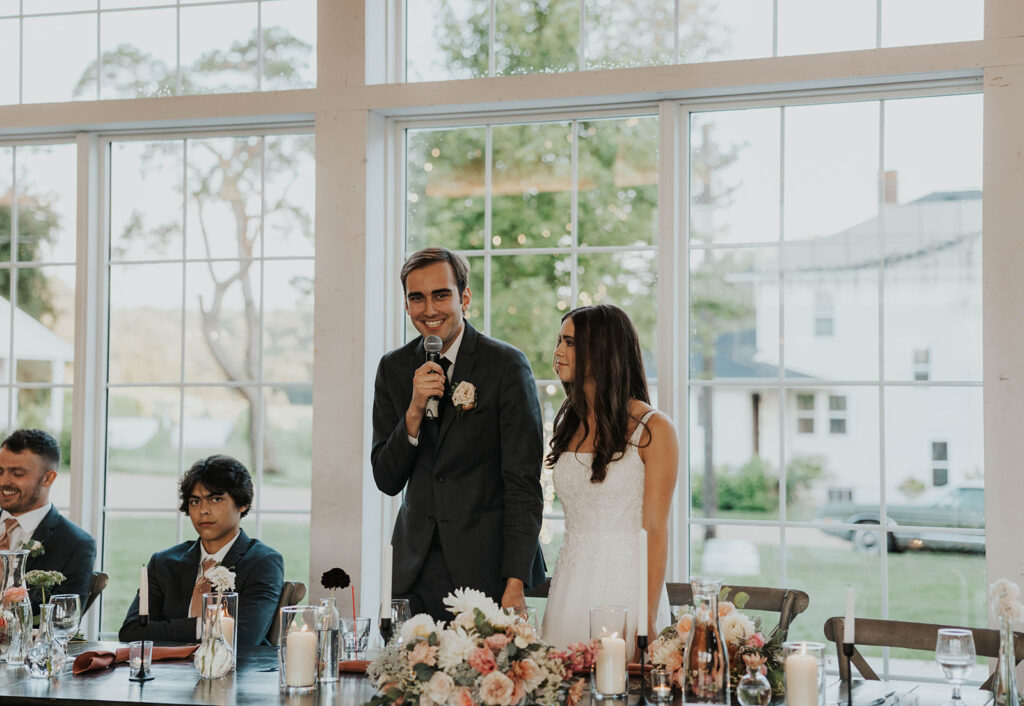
(140, 660)
(804, 668)
(297, 656)
(227, 605)
(661, 686)
(608, 627)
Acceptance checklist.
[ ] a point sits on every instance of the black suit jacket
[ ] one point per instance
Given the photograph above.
(259, 576)
(475, 478)
(68, 549)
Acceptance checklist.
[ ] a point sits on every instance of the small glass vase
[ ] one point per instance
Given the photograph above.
(328, 634)
(215, 657)
(754, 689)
(706, 660)
(12, 593)
(226, 604)
(45, 657)
(1005, 687)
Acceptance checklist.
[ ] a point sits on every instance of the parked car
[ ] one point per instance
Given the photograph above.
(918, 525)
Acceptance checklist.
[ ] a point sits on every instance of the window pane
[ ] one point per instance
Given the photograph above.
(446, 39)
(47, 203)
(288, 443)
(530, 324)
(9, 7)
(734, 176)
(145, 307)
(219, 48)
(6, 209)
(288, 534)
(44, 327)
(290, 185)
(129, 540)
(445, 183)
(45, 80)
(36, 6)
(146, 200)
(740, 555)
(727, 29)
(948, 21)
(810, 27)
(10, 50)
(224, 206)
(536, 36)
(729, 336)
(288, 321)
(217, 422)
(139, 53)
(820, 200)
(618, 181)
(613, 28)
(532, 202)
(289, 44)
(221, 319)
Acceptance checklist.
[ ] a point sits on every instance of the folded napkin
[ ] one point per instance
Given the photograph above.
(101, 659)
(356, 666)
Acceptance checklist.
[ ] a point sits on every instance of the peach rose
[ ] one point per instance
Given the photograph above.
(461, 697)
(724, 608)
(575, 693)
(440, 687)
(497, 642)
(674, 661)
(685, 624)
(756, 640)
(15, 594)
(496, 689)
(482, 660)
(423, 653)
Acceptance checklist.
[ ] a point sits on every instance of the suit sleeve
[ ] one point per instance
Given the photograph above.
(522, 443)
(258, 597)
(392, 456)
(161, 628)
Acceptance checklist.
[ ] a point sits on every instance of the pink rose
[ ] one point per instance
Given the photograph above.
(674, 661)
(482, 660)
(497, 642)
(15, 594)
(462, 697)
(685, 624)
(755, 640)
(724, 608)
(423, 653)
(496, 689)
(575, 693)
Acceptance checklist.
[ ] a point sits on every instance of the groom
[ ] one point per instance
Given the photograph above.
(472, 508)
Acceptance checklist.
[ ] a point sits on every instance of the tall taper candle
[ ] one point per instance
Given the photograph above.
(641, 614)
(385, 585)
(144, 591)
(848, 633)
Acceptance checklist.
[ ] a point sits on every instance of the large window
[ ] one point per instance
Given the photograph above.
(875, 205)
(137, 48)
(210, 341)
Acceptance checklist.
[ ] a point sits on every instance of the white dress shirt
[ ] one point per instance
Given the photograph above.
(27, 524)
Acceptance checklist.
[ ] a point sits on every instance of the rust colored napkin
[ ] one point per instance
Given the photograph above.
(101, 659)
(356, 666)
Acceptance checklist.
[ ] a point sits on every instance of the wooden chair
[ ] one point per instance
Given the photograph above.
(291, 593)
(99, 582)
(913, 636)
(787, 602)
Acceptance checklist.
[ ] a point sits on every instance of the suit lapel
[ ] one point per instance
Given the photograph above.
(44, 533)
(464, 365)
(188, 571)
(237, 551)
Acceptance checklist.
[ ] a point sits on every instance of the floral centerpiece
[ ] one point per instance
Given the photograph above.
(44, 580)
(485, 656)
(215, 657)
(1003, 600)
(743, 638)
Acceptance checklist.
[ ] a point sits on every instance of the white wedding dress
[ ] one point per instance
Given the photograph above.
(597, 564)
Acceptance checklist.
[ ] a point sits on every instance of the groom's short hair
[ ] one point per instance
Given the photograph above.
(38, 442)
(218, 474)
(429, 256)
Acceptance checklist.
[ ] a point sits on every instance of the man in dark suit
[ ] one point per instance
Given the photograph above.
(473, 504)
(29, 459)
(216, 494)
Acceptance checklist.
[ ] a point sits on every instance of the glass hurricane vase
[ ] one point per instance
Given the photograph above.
(706, 660)
(1005, 687)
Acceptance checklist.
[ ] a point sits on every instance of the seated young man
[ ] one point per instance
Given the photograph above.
(216, 494)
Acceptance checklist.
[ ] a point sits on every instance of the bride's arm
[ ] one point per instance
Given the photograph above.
(661, 462)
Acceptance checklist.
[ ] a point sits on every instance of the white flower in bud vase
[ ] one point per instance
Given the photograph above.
(221, 578)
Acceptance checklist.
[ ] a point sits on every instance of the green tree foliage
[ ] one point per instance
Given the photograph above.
(37, 223)
(754, 486)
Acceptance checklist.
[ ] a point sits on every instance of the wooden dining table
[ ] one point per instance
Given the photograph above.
(255, 683)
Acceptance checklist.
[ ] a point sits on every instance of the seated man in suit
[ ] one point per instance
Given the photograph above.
(216, 494)
(29, 459)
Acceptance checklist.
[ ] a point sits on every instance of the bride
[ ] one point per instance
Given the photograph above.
(614, 461)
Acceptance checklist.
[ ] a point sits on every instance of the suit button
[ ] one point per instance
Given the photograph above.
(440, 479)
(431, 519)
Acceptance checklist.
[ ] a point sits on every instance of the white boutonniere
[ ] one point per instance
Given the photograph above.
(464, 396)
(34, 548)
(221, 578)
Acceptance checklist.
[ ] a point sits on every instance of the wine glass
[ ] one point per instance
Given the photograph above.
(400, 612)
(67, 613)
(954, 651)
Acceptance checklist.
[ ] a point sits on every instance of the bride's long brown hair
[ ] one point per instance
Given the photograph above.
(608, 351)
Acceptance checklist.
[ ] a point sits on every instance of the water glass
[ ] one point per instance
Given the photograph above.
(297, 654)
(20, 632)
(954, 651)
(528, 615)
(803, 664)
(140, 652)
(608, 627)
(355, 633)
(67, 613)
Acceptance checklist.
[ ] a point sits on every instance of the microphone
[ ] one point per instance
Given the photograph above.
(432, 345)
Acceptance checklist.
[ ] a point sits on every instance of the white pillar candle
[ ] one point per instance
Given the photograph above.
(227, 628)
(801, 679)
(300, 658)
(641, 621)
(848, 622)
(610, 669)
(144, 591)
(385, 582)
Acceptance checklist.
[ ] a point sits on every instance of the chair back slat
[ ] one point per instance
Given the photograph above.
(787, 602)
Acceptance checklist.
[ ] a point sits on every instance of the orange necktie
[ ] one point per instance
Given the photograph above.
(202, 586)
(9, 524)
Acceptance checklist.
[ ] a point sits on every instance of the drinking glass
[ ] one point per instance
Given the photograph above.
(400, 612)
(954, 651)
(67, 613)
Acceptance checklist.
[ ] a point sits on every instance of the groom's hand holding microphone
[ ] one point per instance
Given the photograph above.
(428, 385)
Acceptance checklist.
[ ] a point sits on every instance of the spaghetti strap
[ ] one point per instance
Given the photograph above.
(638, 432)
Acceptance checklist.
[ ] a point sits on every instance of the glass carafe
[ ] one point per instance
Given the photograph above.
(706, 660)
(12, 592)
(45, 657)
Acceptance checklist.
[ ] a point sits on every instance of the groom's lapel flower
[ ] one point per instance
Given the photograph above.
(34, 547)
(464, 396)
